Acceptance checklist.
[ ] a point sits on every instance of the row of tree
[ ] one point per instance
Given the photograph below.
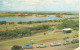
(22, 32)
(74, 24)
(2, 22)
(31, 22)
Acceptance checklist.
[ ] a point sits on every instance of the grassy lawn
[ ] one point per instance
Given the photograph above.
(7, 27)
(76, 46)
(37, 39)
(46, 23)
(41, 33)
(11, 26)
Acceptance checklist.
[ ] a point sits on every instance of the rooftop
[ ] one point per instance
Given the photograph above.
(67, 29)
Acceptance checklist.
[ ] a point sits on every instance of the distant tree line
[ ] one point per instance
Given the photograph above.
(29, 22)
(32, 22)
(25, 14)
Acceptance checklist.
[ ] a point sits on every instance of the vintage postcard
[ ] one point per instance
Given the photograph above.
(39, 24)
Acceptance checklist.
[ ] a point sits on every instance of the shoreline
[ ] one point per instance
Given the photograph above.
(43, 20)
(36, 16)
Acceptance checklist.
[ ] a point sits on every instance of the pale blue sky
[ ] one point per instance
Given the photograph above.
(39, 5)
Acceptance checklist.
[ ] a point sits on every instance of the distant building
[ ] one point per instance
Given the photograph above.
(67, 30)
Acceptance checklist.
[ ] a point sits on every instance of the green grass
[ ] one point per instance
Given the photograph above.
(11, 26)
(46, 23)
(37, 39)
(41, 33)
(7, 26)
(76, 46)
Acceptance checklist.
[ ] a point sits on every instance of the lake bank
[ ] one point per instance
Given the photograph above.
(34, 18)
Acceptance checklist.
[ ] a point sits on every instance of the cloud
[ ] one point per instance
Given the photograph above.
(6, 3)
(32, 1)
(40, 4)
(77, 7)
(71, 1)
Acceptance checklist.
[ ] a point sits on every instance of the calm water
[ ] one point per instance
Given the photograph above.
(18, 19)
(22, 19)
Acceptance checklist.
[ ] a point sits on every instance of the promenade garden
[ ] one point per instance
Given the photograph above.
(16, 34)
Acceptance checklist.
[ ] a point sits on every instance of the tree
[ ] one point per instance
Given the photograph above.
(3, 22)
(20, 22)
(68, 24)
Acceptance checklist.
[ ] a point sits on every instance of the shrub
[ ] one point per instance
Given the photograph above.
(20, 35)
(75, 41)
(66, 38)
(30, 22)
(20, 22)
(3, 22)
(11, 22)
(16, 47)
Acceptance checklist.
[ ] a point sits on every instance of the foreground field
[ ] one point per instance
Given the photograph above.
(56, 34)
(37, 39)
(62, 47)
